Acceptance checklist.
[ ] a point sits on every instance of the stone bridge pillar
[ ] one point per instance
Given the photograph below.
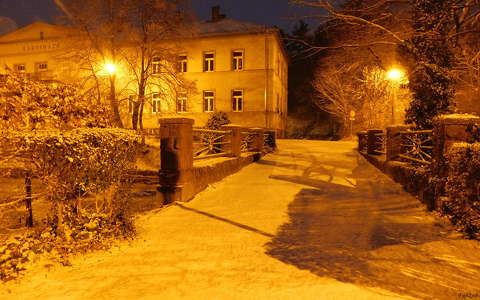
(176, 159)
(258, 139)
(394, 141)
(235, 146)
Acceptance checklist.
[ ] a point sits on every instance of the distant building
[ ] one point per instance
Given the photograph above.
(239, 68)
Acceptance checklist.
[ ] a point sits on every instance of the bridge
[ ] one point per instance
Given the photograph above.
(313, 220)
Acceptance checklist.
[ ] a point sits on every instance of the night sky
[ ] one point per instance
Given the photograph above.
(268, 12)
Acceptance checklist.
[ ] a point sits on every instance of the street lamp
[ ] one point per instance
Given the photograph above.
(110, 68)
(395, 76)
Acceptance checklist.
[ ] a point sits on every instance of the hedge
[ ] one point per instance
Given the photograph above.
(463, 188)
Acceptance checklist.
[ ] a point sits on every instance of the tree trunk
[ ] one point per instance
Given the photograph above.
(135, 114)
(117, 120)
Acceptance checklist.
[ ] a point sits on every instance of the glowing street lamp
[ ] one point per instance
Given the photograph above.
(395, 76)
(110, 68)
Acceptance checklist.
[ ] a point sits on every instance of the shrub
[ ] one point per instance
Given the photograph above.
(217, 120)
(463, 188)
(84, 171)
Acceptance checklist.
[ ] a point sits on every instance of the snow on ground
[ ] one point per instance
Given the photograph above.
(311, 221)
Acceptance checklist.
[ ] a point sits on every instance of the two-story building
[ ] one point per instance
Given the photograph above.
(237, 67)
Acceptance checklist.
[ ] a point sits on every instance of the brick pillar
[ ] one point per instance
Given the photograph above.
(235, 146)
(273, 137)
(176, 159)
(449, 129)
(258, 139)
(371, 140)
(394, 140)
(362, 140)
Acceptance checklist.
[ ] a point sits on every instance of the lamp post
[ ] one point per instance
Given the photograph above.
(395, 77)
(110, 70)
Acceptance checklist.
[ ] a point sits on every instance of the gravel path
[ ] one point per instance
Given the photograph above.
(311, 221)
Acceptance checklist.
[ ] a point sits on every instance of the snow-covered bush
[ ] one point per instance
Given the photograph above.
(217, 120)
(75, 163)
(463, 188)
(29, 104)
(84, 171)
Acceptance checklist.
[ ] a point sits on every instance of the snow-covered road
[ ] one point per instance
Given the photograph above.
(311, 221)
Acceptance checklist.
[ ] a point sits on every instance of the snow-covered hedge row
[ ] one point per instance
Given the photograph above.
(74, 163)
(463, 187)
(82, 166)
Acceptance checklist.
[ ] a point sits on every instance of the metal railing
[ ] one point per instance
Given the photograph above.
(380, 143)
(248, 140)
(210, 143)
(416, 146)
(154, 132)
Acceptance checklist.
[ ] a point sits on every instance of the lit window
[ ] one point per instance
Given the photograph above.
(237, 100)
(19, 68)
(208, 62)
(41, 66)
(237, 62)
(182, 102)
(156, 65)
(182, 63)
(208, 101)
(156, 103)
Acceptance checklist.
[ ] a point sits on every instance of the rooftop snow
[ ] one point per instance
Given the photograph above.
(229, 26)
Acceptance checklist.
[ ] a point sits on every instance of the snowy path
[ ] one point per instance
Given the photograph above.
(311, 221)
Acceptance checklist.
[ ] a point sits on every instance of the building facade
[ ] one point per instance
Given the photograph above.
(236, 67)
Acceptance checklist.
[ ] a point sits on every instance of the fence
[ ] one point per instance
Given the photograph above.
(411, 146)
(211, 143)
(417, 148)
(181, 145)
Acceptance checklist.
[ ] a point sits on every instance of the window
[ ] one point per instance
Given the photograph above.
(237, 62)
(156, 64)
(131, 102)
(182, 63)
(19, 68)
(208, 62)
(42, 36)
(156, 103)
(237, 100)
(208, 101)
(182, 102)
(41, 66)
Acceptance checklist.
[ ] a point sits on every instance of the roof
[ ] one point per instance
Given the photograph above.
(228, 25)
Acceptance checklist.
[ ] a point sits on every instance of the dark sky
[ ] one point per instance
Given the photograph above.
(268, 12)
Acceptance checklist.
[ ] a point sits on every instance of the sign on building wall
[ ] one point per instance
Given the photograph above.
(40, 46)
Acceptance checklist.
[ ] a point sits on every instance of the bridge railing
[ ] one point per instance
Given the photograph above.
(181, 145)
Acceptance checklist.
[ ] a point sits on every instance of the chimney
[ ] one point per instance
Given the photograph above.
(216, 16)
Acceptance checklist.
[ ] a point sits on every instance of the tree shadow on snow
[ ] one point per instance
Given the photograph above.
(344, 231)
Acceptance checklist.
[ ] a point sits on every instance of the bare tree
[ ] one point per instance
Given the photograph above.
(103, 28)
(152, 53)
(336, 93)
